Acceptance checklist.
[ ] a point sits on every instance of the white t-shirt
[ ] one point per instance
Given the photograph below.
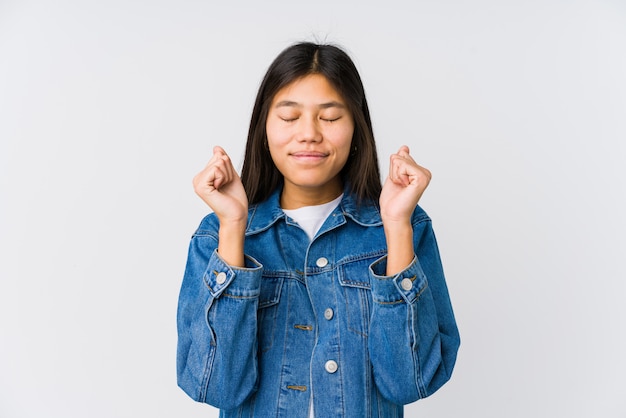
(311, 218)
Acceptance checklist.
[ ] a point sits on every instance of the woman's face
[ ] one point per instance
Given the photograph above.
(309, 134)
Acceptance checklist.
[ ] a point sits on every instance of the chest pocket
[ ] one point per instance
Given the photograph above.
(268, 311)
(357, 295)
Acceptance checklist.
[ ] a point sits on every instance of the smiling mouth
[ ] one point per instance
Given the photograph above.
(309, 155)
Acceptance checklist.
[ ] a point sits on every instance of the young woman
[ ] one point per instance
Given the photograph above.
(310, 290)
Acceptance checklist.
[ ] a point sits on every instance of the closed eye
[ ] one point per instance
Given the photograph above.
(331, 120)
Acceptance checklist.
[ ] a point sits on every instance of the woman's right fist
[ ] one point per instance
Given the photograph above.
(220, 187)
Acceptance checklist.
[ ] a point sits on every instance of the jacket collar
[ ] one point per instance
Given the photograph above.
(263, 215)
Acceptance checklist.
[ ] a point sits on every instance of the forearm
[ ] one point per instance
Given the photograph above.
(400, 253)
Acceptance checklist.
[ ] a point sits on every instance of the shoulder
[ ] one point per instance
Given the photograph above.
(368, 213)
(209, 225)
(419, 216)
(264, 214)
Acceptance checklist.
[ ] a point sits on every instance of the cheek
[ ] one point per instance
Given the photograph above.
(344, 139)
(275, 134)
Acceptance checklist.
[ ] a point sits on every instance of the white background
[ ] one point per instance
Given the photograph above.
(108, 109)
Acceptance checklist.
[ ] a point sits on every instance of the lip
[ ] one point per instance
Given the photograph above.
(309, 155)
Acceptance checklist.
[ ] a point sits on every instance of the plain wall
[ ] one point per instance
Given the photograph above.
(109, 108)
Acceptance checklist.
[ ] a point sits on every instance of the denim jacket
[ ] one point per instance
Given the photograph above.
(314, 321)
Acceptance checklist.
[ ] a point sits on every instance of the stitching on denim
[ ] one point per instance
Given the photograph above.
(368, 382)
(419, 384)
(285, 342)
(278, 274)
(230, 295)
(270, 291)
(208, 369)
(355, 283)
(344, 280)
(360, 257)
(418, 294)
(266, 339)
(379, 402)
(423, 218)
(204, 233)
(340, 371)
(252, 213)
(395, 302)
(206, 282)
(363, 306)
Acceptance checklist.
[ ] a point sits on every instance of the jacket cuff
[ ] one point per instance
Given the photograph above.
(406, 286)
(242, 282)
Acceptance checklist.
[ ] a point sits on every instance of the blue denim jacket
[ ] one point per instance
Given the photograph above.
(314, 320)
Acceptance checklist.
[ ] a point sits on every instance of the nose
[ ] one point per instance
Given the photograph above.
(309, 130)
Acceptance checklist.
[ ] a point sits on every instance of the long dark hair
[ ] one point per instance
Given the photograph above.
(259, 175)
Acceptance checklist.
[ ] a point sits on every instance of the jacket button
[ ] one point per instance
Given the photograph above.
(331, 366)
(221, 278)
(328, 314)
(322, 262)
(406, 284)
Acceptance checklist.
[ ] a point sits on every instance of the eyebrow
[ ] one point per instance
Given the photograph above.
(289, 103)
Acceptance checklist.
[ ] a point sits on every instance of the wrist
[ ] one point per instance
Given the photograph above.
(392, 224)
(231, 243)
(233, 225)
(400, 253)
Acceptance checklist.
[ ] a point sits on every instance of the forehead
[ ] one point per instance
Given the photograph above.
(312, 89)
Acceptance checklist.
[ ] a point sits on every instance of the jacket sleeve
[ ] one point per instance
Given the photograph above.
(217, 324)
(413, 339)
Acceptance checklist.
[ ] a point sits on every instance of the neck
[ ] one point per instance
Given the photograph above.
(294, 197)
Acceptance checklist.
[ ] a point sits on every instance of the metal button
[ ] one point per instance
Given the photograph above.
(406, 284)
(221, 278)
(331, 366)
(328, 314)
(322, 262)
